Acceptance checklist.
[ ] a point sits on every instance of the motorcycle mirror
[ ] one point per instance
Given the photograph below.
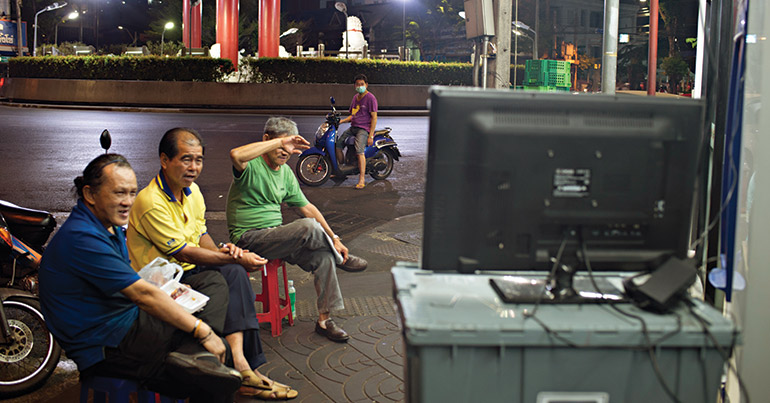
(105, 140)
(331, 99)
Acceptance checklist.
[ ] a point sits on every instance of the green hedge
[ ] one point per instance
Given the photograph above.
(3, 70)
(341, 71)
(148, 68)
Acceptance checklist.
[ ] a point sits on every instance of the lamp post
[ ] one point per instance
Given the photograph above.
(71, 16)
(132, 37)
(168, 25)
(521, 25)
(343, 8)
(403, 28)
(53, 6)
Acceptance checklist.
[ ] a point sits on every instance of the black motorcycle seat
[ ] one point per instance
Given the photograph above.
(25, 216)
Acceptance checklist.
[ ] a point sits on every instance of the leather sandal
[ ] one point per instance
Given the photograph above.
(277, 393)
(251, 380)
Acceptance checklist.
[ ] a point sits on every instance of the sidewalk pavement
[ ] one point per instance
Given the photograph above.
(368, 368)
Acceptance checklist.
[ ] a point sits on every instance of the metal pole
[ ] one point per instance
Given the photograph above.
(537, 25)
(34, 49)
(515, 47)
(347, 43)
(610, 56)
(652, 57)
(403, 27)
(484, 67)
(18, 27)
(162, 37)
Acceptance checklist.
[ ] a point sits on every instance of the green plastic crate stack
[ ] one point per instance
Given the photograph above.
(546, 74)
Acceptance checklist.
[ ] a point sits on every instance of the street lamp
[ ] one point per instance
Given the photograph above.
(288, 32)
(519, 33)
(521, 25)
(343, 8)
(132, 37)
(403, 28)
(168, 25)
(71, 16)
(53, 6)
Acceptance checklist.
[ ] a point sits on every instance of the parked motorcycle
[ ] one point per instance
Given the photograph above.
(28, 351)
(318, 163)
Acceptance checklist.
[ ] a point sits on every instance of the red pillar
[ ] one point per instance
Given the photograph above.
(195, 25)
(186, 23)
(269, 25)
(227, 29)
(652, 57)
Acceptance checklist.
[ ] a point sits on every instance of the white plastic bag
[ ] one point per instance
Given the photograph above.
(167, 276)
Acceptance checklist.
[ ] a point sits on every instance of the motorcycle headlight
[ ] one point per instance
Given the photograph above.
(321, 130)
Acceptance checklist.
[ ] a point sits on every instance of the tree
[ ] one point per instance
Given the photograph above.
(428, 30)
(632, 59)
(675, 68)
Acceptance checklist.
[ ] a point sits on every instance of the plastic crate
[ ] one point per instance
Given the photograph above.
(463, 344)
(545, 88)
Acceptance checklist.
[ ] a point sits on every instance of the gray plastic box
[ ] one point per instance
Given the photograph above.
(463, 344)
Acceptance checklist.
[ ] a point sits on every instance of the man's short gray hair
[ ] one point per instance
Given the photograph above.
(280, 126)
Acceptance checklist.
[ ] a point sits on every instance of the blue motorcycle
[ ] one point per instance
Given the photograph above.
(318, 163)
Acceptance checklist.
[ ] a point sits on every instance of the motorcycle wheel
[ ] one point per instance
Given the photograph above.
(313, 169)
(384, 158)
(31, 359)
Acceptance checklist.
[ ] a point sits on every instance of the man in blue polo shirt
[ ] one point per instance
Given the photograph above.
(113, 323)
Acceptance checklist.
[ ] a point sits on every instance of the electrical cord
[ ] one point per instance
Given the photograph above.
(555, 266)
(650, 347)
(720, 350)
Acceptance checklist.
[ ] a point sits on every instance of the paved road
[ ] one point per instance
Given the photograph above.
(43, 150)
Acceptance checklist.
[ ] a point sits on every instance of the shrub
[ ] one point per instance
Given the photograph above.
(148, 68)
(341, 71)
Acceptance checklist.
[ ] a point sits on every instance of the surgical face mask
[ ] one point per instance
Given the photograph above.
(361, 89)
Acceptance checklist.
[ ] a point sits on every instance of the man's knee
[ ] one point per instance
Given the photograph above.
(234, 274)
(309, 227)
(210, 282)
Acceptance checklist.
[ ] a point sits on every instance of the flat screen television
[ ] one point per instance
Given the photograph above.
(517, 179)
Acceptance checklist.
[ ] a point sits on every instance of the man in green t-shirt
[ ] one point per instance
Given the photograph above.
(261, 183)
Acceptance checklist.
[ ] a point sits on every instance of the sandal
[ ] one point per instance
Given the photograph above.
(360, 185)
(276, 394)
(250, 379)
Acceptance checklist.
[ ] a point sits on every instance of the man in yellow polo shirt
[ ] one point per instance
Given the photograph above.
(167, 220)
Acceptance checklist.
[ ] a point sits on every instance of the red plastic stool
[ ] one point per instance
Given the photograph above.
(274, 307)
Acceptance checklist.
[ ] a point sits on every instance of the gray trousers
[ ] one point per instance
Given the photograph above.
(303, 243)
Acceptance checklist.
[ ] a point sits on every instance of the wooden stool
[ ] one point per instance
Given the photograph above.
(118, 391)
(274, 307)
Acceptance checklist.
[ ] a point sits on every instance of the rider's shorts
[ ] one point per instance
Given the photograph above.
(361, 138)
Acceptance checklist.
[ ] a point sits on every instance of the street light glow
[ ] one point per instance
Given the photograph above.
(73, 15)
(169, 25)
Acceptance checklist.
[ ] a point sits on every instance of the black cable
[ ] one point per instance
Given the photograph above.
(555, 266)
(721, 351)
(650, 346)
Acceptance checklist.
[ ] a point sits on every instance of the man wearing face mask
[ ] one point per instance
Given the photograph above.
(363, 118)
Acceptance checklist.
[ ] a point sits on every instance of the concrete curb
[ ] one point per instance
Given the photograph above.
(195, 96)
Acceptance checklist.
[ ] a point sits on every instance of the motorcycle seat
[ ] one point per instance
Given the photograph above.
(29, 225)
(383, 132)
(22, 215)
